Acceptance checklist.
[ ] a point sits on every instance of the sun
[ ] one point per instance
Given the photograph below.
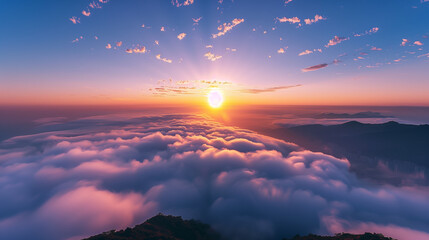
(215, 98)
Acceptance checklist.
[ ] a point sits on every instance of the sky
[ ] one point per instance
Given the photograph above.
(81, 52)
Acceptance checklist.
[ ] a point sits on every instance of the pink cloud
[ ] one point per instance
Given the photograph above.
(226, 27)
(336, 40)
(316, 19)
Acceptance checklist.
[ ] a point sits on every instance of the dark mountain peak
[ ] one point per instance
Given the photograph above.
(352, 123)
(163, 227)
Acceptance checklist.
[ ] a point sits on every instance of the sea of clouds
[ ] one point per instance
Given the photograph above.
(91, 175)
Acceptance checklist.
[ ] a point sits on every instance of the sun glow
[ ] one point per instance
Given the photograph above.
(215, 98)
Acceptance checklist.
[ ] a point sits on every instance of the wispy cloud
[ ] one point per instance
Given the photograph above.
(163, 59)
(267, 90)
(376, 49)
(315, 67)
(288, 1)
(306, 52)
(418, 43)
(197, 20)
(212, 57)
(290, 20)
(404, 42)
(368, 32)
(77, 39)
(226, 27)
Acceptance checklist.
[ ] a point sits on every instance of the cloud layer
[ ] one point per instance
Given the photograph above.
(100, 173)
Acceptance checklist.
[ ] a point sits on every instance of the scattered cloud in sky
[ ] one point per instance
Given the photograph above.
(181, 36)
(212, 57)
(290, 20)
(368, 32)
(86, 13)
(77, 39)
(109, 172)
(74, 20)
(109, 46)
(282, 50)
(178, 3)
(336, 40)
(226, 27)
(163, 59)
(376, 49)
(306, 52)
(316, 19)
(404, 42)
(137, 50)
(288, 1)
(118, 44)
(418, 43)
(162, 29)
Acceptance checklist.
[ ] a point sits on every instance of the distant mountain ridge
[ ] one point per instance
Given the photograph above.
(163, 227)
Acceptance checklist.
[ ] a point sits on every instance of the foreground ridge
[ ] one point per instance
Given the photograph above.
(167, 227)
(163, 227)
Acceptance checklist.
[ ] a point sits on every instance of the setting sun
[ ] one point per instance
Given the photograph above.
(215, 98)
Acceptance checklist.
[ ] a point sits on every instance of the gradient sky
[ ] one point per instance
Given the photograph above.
(365, 52)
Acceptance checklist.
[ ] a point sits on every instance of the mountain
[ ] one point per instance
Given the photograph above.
(343, 236)
(162, 227)
(402, 147)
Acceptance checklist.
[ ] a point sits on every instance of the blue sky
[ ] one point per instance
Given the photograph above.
(39, 60)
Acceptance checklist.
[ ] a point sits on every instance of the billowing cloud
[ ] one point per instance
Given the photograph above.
(226, 27)
(178, 3)
(181, 36)
(267, 90)
(102, 173)
(336, 40)
(316, 19)
(163, 59)
(315, 67)
(212, 57)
